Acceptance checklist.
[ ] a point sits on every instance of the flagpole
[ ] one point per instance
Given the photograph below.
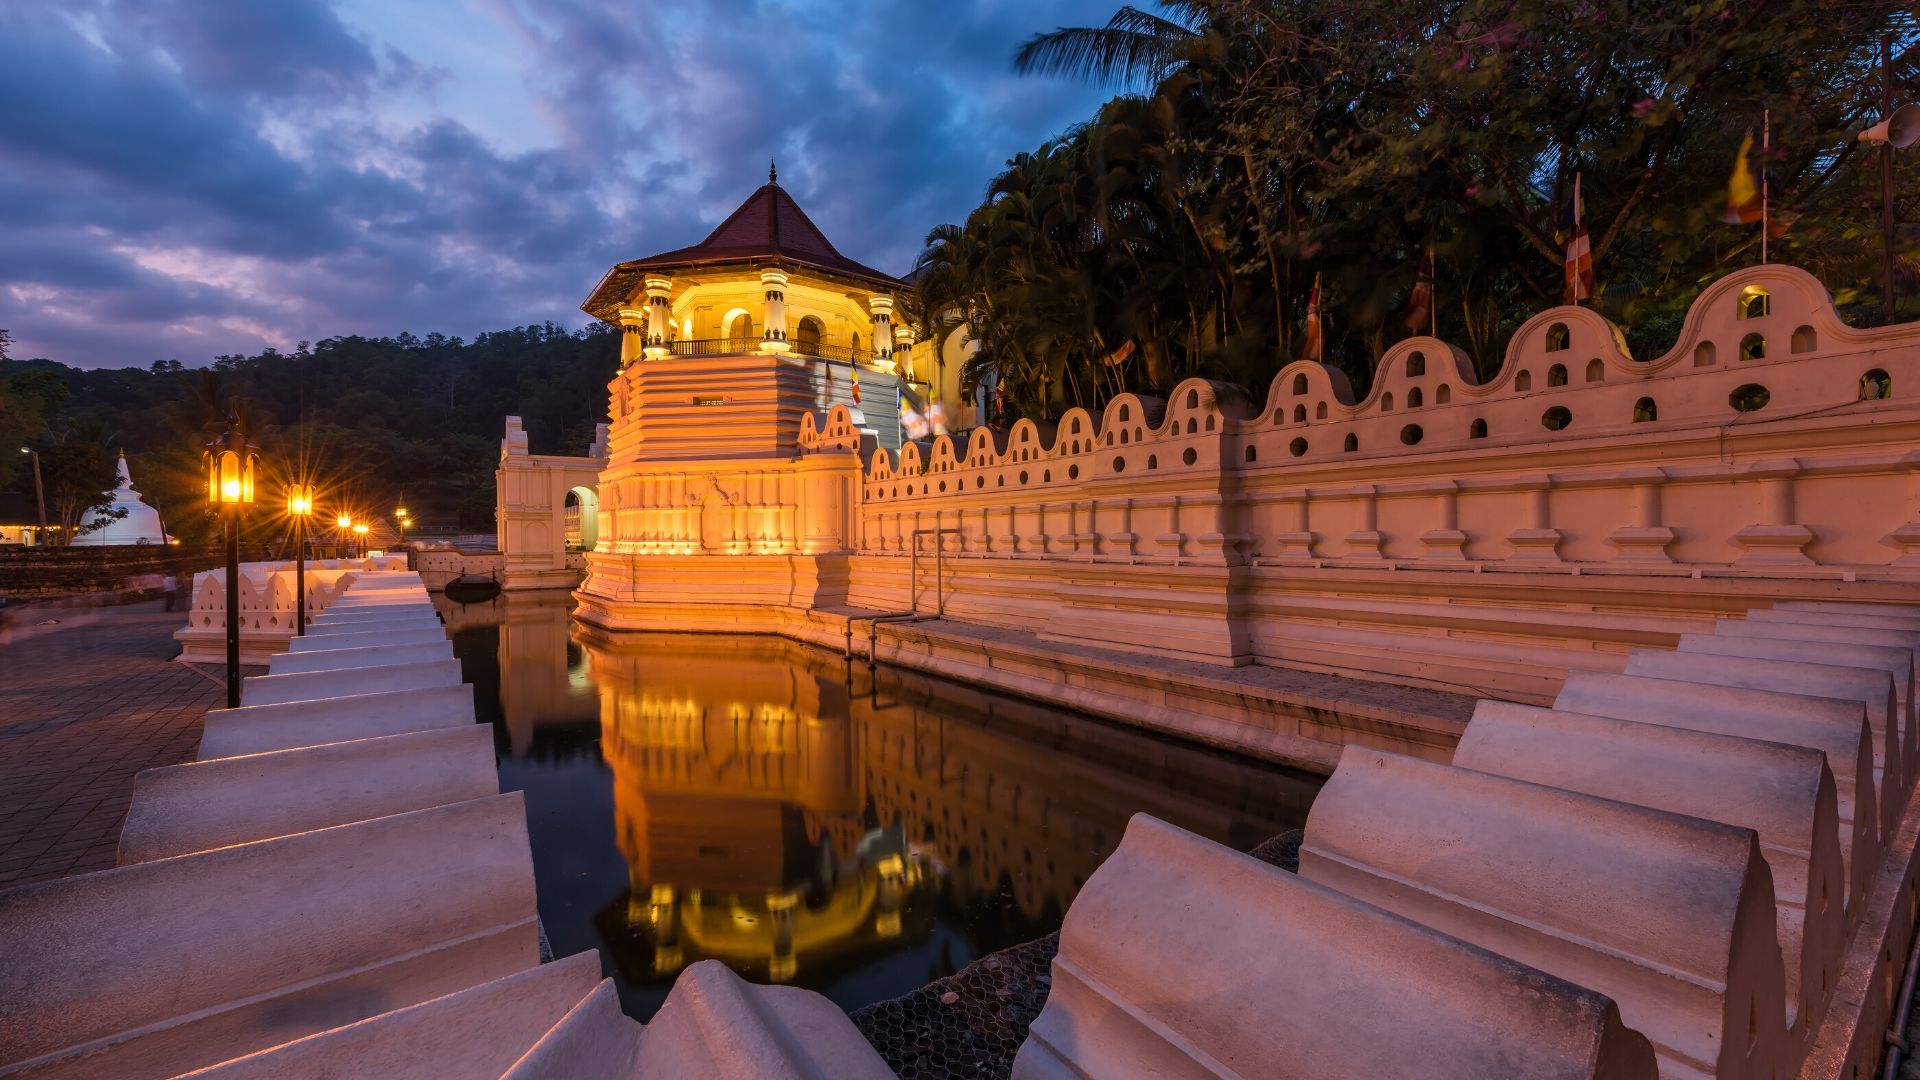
(1766, 144)
(1433, 294)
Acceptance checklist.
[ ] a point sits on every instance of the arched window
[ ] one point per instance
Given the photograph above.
(581, 519)
(1250, 454)
(1299, 384)
(1754, 303)
(806, 336)
(1804, 340)
(1320, 411)
(1557, 375)
(1703, 354)
(1753, 347)
(1443, 395)
(1386, 402)
(1645, 411)
(1558, 337)
(740, 335)
(1417, 365)
(1523, 382)
(1193, 399)
(1477, 430)
(1596, 371)
(1299, 414)
(1414, 398)
(1876, 385)
(1352, 443)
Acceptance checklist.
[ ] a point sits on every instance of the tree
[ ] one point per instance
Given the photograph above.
(1261, 146)
(80, 474)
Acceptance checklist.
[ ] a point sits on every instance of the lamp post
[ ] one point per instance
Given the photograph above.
(360, 533)
(300, 508)
(39, 493)
(401, 520)
(344, 525)
(229, 465)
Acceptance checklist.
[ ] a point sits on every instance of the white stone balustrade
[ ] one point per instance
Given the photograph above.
(1872, 689)
(1837, 729)
(1784, 793)
(1670, 916)
(237, 800)
(1334, 988)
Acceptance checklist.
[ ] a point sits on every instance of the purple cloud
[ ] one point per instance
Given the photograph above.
(180, 180)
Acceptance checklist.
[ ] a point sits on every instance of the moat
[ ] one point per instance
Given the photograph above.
(805, 820)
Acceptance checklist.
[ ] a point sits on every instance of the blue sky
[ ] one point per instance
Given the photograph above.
(185, 178)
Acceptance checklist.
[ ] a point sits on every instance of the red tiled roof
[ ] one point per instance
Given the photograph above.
(768, 227)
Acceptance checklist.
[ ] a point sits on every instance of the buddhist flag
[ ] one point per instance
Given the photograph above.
(1120, 355)
(1579, 266)
(855, 368)
(1744, 204)
(1315, 343)
(1420, 303)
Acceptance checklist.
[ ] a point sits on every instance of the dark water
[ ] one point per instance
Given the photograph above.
(807, 821)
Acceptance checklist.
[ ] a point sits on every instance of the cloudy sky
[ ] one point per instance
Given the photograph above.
(185, 178)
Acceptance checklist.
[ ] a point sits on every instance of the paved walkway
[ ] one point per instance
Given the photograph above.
(86, 702)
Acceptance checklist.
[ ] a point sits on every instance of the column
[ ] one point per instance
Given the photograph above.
(633, 335)
(902, 346)
(775, 284)
(1647, 539)
(659, 317)
(881, 308)
(1776, 539)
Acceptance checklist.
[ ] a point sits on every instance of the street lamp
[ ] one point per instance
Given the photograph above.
(228, 461)
(40, 493)
(343, 524)
(402, 520)
(360, 531)
(300, 508)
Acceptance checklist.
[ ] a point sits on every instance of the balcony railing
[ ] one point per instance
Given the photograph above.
(739, 346)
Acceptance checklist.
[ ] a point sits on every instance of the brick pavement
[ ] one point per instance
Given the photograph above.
(84, 705)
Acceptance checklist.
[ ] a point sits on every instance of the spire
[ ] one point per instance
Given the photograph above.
(773, 172)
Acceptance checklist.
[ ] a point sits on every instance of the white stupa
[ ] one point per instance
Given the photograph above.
(141, 525)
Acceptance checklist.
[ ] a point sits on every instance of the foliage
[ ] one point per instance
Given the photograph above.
(372, 420)
(1262, 144)
(78, 466)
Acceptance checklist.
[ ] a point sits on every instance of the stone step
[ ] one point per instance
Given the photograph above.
(1838, 729)
(479, 1032)
(164, 967)
(1874, 689)
(357, 624)
(595, 1039)
(203, 805)
(360, 657)
(362, 639)
(256, 729)
(1784, 793)
(274, 689)
(1896, 662)
(1670, 916)
(1849, 607)
(1181, 958)
(1889, 621)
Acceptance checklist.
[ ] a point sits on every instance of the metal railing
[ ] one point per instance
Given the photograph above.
(742, 346)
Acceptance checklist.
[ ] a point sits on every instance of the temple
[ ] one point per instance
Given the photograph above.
(768, 285)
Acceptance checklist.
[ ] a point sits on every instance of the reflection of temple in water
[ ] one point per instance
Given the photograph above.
(788, 817)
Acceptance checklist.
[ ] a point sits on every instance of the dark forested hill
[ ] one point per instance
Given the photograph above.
(378, 419)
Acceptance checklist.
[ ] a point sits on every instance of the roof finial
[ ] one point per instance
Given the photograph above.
(773, 172)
